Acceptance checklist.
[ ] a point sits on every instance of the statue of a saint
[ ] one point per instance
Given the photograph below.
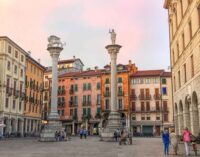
(113, 36)
(54, 41)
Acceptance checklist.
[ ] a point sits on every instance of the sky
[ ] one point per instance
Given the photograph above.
(141, 27)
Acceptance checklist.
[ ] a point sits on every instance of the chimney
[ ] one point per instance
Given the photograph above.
(96, 68)
(39, 60)
(130, 62)
(88, 69)
(74, 57)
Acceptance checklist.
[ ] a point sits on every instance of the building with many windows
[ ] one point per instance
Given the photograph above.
(12, 86)
(184, 34)
(34, 96)
(150, 102)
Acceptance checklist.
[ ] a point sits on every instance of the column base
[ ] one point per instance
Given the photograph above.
(48, 133)
(114, 122)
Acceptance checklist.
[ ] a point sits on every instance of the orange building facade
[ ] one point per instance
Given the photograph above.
(34, 94)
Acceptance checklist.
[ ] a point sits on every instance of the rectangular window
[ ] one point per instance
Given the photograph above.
(89, 86)
(21, 73)
(185, 73)
(98, 85)
(148, 118)
(142, 92)
(164, 81)
(20, 106)
(16, 54)
(147, 92)
(119, 80)
(157, 106)
(15, 69)
(164, 90)
(142, 106)
(120, 106)
(7, 102)
(14, 104)
(22, 58)
(179, 79)
(165, 117)
(84, 86)
(142, 117)
(133, 106)
(192, 65)
(107, 81)
(147, 106)
(9, 49)
(165, 108)
(8, 65)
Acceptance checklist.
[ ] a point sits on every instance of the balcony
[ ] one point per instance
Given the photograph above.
(72, 104)
(141, 97)
(120, 93)
(86, 103)
(9, 91)
(61, 92)
(148, 97)
(41, 88)
(61, 103)
(16, 93)
(71, 91)
(22, 95)
(133, 97)
(107, 94)
(157, 96)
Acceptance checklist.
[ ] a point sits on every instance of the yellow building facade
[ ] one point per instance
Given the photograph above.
(34, 96)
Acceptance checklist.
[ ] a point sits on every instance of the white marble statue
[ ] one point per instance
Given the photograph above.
(113, 36)
(54, 41)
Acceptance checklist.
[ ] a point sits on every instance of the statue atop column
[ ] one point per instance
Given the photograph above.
(113, 36)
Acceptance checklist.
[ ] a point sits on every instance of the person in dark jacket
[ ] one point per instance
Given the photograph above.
(166, 141)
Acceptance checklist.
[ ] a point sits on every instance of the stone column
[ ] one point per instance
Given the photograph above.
(55, 46)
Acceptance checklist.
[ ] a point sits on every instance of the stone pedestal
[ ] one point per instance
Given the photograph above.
(114, 122)
(48, 133)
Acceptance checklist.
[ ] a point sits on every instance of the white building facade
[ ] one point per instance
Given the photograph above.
(12, 94)
(184, 24)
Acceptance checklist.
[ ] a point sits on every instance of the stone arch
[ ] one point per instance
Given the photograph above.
(195, 114)
(187, 112)
(180, 117)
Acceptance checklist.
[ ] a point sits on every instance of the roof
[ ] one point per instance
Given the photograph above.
(148, 73)
(36, 62)
(69, 61)
(167, 74)
(9, 40)
(82, 73)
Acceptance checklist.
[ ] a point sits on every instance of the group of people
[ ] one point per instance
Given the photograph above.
(123, 136)
(83, 133)
(60, 135)
(172, 139)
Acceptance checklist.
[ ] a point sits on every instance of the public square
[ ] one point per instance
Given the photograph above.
(90, 147)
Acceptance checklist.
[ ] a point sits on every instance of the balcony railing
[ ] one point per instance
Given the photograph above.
(72, 104)
(61, 92)
(141, 97)
(133, 97)
(148, 97)
(9, 91)
(61, 103)
(107, 94)
(16, 93)
(22, 95)
(86, 103)
(157, 96)
(120, 93)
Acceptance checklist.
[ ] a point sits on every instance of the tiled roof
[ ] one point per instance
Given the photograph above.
(167, 74)
(69, 61)
(146, 73)
(82, 73)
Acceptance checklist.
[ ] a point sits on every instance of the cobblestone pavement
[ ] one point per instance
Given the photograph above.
(90, 147)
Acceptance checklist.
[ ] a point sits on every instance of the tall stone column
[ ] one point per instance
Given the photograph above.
(114, 119)
(54, 47)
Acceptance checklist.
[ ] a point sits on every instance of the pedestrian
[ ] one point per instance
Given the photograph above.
(56, 136)
(115, 135)
(174, 141)
(130, 135)
(118, 134)
(165, 138)
(81, 133)
(187, 140)
(85, 133)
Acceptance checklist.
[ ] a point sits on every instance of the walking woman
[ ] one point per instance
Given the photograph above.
(174, 141)
(165, 138)
(187, 140)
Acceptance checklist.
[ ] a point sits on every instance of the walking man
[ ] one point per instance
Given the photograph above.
(165, 138)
